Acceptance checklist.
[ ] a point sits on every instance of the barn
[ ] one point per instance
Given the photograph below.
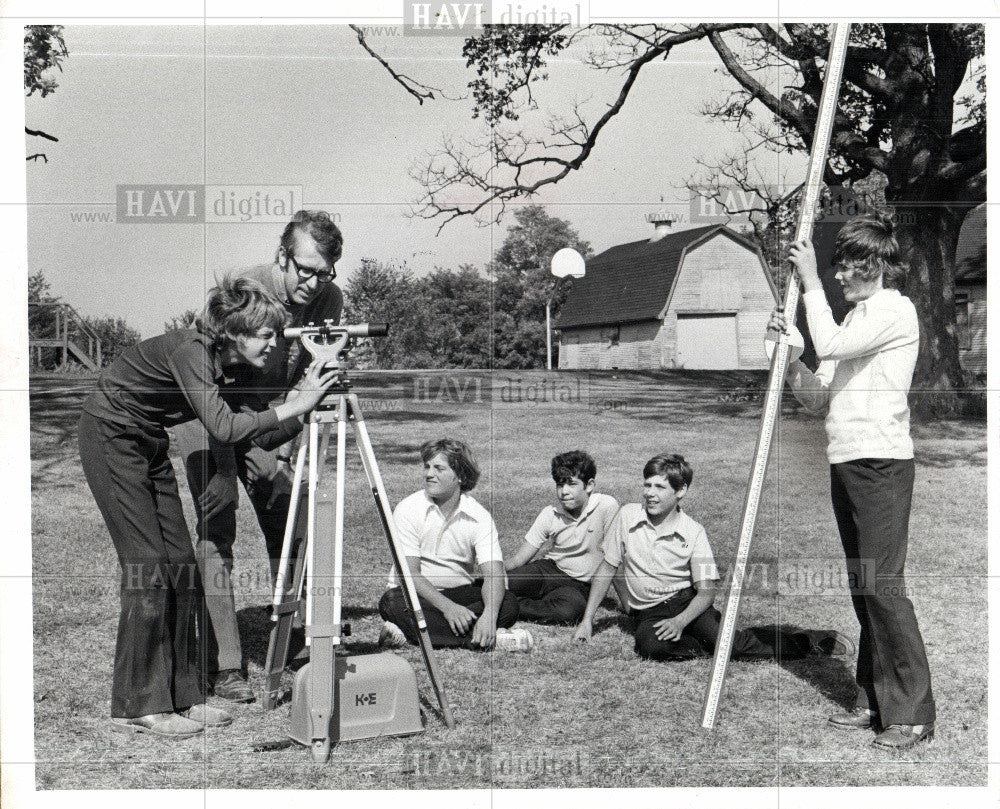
(970, 292)
(696, 299)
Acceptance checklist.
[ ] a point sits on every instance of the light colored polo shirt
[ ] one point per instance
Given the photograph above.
(577, 541)
(866, 367)
(449, 549)
(658, 560)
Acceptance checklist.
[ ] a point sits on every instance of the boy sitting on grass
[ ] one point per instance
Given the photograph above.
(554, 589)
(444, 534)
(670, 576)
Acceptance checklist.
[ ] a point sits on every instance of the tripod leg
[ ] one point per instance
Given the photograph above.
(338, 533)
(288, 607)
(402, 568)
(311, 516)
(293, 511)
(287, 602)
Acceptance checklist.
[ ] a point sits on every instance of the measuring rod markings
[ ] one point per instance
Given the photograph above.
(839, 35)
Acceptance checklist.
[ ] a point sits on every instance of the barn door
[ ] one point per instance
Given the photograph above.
(707, 342)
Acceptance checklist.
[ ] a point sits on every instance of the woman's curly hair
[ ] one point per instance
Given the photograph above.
(239, 306)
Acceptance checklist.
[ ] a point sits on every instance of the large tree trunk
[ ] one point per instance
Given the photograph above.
(928, 236)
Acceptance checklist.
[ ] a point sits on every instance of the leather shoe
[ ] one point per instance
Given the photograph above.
(233, 686)
(207, 716)
(164, 725)
(855, 719)
(903, 737)
(830, 643)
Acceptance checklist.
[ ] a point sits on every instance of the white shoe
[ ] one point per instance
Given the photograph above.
(391, 636)
(515, 640)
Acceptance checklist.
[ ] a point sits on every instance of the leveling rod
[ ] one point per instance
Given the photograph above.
(839, 35)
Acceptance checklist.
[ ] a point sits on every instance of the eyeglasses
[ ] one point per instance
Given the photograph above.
(305, 273)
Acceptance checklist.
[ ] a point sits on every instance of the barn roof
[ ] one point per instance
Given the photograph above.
(631, 282)
(970, 254)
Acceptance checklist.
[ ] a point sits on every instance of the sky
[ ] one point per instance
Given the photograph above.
(306, 106)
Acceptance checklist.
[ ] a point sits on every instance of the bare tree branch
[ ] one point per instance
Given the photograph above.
(415, 88)
(779, 106)
(522, 157)
(38, 133)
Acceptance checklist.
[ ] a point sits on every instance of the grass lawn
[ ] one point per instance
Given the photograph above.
(564, 716)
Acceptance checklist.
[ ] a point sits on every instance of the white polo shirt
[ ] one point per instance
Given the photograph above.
(577, 540)
(866, 367)
(658, 560)
(449, 549)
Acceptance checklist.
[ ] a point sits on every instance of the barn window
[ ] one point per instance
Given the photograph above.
(962, 321)
(611, 335)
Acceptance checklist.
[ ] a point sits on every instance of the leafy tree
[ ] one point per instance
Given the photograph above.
(380, 292)
(44, 49)
(38, 289)
(899, 114)
(115, 334)
(185, 320)
(457, 325)
(899, 117)
(523, 282)
(42, 319)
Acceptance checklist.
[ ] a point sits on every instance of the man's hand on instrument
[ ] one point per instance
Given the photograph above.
(803, 258)
(220, 492)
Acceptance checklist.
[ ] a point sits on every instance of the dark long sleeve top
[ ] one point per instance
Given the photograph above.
(178, 376)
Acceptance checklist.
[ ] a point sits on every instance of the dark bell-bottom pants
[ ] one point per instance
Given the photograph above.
(871, 501)
(255, 467)
(156, 655)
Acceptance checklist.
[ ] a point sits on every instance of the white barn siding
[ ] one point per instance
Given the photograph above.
(973, 358)
(630, 346)
(722, 276)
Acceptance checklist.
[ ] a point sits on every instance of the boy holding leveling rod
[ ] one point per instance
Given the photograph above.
(866, 366)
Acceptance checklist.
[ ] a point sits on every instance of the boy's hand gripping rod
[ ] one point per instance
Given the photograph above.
(839, 35)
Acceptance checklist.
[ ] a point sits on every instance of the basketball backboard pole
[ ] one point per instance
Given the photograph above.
(565, 263)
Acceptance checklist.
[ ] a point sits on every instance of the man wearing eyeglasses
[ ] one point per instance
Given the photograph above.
(301, 277)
